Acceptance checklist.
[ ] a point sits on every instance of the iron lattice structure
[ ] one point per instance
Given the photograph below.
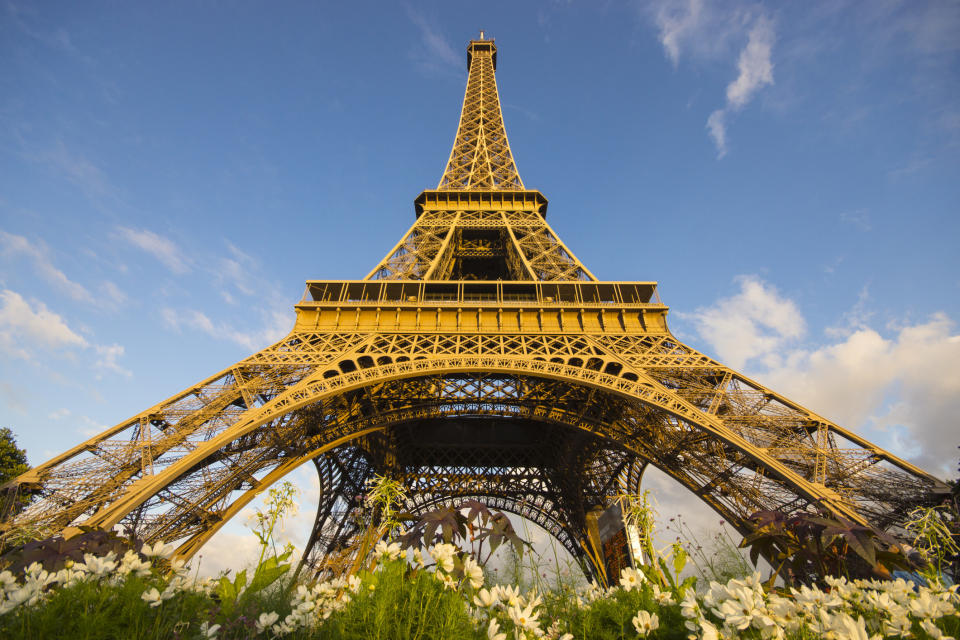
(479, 359)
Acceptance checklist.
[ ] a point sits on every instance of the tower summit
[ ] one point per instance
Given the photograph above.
(479, 359)
(481, 157)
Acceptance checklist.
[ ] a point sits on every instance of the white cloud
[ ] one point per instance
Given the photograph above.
(107, 356)
(24, 326)
(678, 22)
(907, 385)
(13, 245)
(276, 324)
(434, 52)
(695, 28)
(711, 31)
(902, 389)
(28, 326)
(755, 71)
(112, 294)
(161, 248)
(235, 273)
(754, 65)
(717, 128)
(756, 321)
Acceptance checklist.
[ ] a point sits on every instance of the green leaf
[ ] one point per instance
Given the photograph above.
(268, 572)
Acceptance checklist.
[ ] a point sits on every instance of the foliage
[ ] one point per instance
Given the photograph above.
(380, 515)
(384, 497)
(55, 552)
(477, 526)
(280, 504)
(402, 598)
(639, 511)
(234, 594)
(93, 610)
(13, 460)
(718, 559)
(397, 602)
(934, 540)
(805, 549)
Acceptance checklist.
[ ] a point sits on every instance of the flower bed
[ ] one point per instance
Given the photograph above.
(444, 594)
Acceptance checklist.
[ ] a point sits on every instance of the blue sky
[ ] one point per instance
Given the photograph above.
(171, 173)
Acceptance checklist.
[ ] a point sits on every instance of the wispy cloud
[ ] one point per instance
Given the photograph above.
(161, 248)
(754, 65)
(698, 29)
(107, 356)
(433, 52)
(112, 294)
(77, 169)
(28, 329)
(755, 71)
(58, 38)
(705, 30)
(275, 325)
(12, 245)
(25, 326)
(860, 218)
(236, 273)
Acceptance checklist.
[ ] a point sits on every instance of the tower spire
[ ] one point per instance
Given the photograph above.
(481, 159)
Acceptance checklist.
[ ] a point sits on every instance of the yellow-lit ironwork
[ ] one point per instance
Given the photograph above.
(480, 359)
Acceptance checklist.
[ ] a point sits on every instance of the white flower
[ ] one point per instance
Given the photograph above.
(662, 597)
(846, 627)
(448, 582)
(443, 555)
(7, 581)
(208, 631)
(933, 631)
(158, 550)
(131, 563)
(418, 558)
(493, 629)
(689, 607)
(709, 631)
(509, 595)
(525, 618)
(898, 626)
(392, 550)
(926, 605)
(743, 606)
(266, 620)
(473, 573)
(645, 622)
(354, 583)
(154, 598)
(630, 579)
(486, 598)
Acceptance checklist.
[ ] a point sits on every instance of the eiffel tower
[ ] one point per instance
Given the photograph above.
(479, 359)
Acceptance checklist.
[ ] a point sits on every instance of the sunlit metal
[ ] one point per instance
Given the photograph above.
(479, 359)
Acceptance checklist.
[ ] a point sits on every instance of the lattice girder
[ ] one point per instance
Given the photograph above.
(481, 158)
(479, 313)
(522, 238)
(734, 467)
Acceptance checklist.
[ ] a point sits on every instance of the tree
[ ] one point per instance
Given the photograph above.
(13, 460)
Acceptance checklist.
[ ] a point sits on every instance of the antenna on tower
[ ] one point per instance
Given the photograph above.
(481, 34)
